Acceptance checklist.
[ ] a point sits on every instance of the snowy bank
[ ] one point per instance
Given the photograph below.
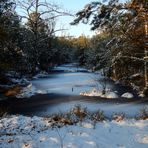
(108, 94)
(127, 95)
(42, 74)
(29, 91)
(70, 68)
(37, 132)
(21, 82)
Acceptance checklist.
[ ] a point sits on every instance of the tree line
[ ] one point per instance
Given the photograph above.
(27, 36)
(28, 43)
(121, 43)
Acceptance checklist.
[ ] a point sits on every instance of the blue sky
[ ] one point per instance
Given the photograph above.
(73, 6)
(63, 22)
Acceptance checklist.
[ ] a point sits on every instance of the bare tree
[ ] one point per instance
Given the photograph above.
(40, 18)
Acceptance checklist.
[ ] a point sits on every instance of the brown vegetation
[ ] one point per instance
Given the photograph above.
(12, 91)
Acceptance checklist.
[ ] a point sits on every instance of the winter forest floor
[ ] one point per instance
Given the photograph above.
(72, 130)
(98, 98)
(57, 117)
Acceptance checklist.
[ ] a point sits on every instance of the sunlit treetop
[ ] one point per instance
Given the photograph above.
(99, 14)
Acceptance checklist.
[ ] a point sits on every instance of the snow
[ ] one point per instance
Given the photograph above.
(130, 110)
(62, 83)
(135, 75)
(141, 94)
(127, 95)
(108, 94)
(29, 91)
(12, 74)
(70, 82)
(73, 67)
(42, 74)
(35, 132)
(21, 82)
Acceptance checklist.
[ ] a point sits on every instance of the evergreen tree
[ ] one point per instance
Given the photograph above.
(125, 25)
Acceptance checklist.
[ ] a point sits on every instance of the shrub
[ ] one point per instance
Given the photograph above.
(118, 117)
(143, 113)
(3, 111)
(98, 116)
(13, 91)
(60, 120)
(79, 112)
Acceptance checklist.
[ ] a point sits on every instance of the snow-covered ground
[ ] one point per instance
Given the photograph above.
(21, 81)
(29, 91)
(72, 67)
(61, 83)
(73, 81)
(130, 110)
(36, 132)
(70, 83)
(17, 131)
(42, 74)
(94, 92)
(107, 94)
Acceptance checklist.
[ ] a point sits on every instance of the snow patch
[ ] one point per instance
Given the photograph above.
(144, 139)
(70, 68)
(141, 95)
(135, 75)
(127, 95)
(21, 82)
(29, 91)
(42, 74)
(108, 94)
(22, 131)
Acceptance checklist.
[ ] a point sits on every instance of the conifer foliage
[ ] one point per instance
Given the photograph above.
(124, 23)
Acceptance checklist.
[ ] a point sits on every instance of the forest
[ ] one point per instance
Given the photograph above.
(28, 43)
(66, 91)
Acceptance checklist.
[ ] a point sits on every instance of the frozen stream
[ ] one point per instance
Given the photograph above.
(71, 80)
(61, 92)
(68, 80)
